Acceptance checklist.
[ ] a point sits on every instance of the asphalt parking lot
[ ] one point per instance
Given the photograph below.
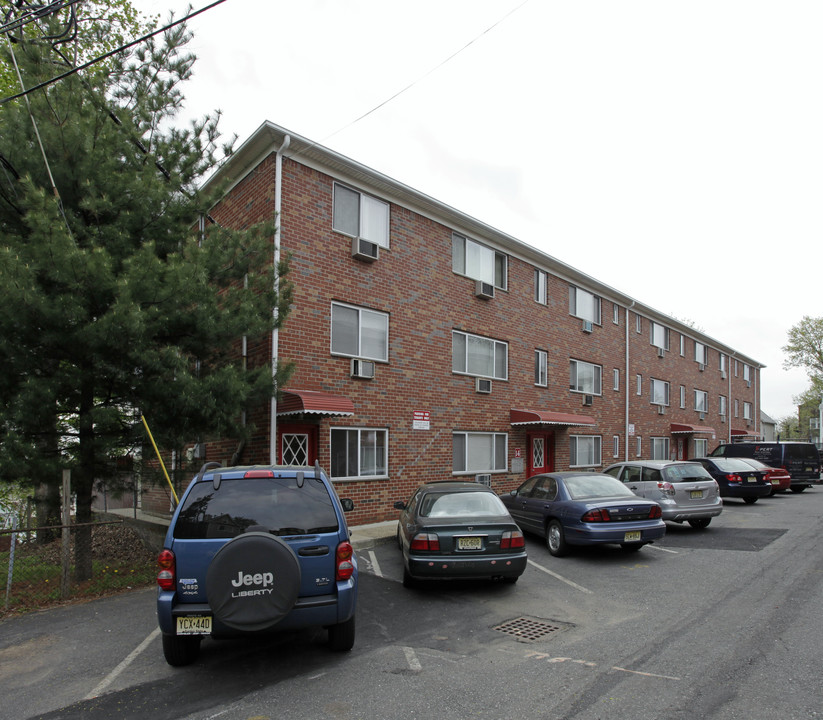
(718, 623)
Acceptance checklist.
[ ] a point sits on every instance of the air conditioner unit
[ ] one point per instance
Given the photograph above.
(661, 410)
(661, 352)
(588, 400)
(701, 367)
(483, 289)
(362, 369)
(722, 418)
(748, 383)
(484, 479)
(702, 416)
(364, 249)
(483, 385)
(722, 374)
(587, 326)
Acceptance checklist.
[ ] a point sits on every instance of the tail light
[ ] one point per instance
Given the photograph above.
(425, 541)
(655, 512)
(512, 540)
(599, 515)
(165, 575)
(733, 478)
(344, 562)
(666, 487)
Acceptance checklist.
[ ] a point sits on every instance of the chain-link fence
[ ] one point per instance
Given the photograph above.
(40, 565)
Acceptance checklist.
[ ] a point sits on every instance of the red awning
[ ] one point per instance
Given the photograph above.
(544, 417)
(313, 402)
(697, 429)
(738, 432)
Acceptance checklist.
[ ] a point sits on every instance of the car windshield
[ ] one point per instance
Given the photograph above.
(276, 504)
(461, 504)
(732, 465)
(686, 473)
(583, 487)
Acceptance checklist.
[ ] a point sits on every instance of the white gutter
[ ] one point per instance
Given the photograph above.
(275, 335)
(626, 385)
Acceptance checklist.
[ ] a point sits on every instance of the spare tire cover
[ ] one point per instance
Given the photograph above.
(253, 581)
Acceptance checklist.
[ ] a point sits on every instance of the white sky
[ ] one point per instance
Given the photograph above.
(672, 150)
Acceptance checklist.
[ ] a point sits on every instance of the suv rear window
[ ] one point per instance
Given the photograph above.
(686, 473)
(277, 504)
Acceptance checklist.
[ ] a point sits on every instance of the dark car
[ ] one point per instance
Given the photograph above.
(256, 549)
(458, 530)
(580, 508)
(684, 490)
(800, 459)
(778, 478)
(736, 478)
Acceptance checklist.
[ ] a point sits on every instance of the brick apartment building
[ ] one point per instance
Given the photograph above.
(430, 346)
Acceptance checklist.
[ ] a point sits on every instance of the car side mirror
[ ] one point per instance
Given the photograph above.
(513, 493)
(400, 505)
(347, 504)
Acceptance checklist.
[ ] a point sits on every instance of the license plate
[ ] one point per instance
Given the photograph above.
(751, 478)
(775, 481)
(194, 625)
(632, 536)
(469, 543)
(696, 494)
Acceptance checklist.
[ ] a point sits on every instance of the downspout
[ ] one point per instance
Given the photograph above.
(275, 334)
(626, 385)
(729, 401)
(756, 396)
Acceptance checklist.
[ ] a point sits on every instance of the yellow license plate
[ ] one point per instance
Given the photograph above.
(632, 536)
(194, 625)
(751, 478)
(696, 494)
(469, 543)
(775, 481)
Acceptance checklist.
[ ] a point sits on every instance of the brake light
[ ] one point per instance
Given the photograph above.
(733, 478)
(666, 487)
(599, 515)
(512, 539)
(655, 512)
(425, 541)
(258, 474)
(345, 564)
(165, 575)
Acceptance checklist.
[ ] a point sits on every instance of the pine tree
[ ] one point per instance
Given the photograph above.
(115, 301)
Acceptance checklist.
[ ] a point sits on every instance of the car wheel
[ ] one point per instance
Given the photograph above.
(252, 581)
(750, 500)
(341, 636)
(798, 488)
(181, 650)
(556, 540)
(700, 523)
(631, 547)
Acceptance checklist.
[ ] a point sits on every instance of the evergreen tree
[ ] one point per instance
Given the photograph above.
(115, 301)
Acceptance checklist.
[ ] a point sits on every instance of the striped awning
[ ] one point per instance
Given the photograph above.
(313, 402)
(546, 417)
(683, 428)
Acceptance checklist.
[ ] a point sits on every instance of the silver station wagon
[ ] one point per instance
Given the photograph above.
(685, 490)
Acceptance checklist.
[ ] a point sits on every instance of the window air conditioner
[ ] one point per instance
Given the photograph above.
(722, 418)
(722, 374)
(748, 383)
(483, 385)
(362, 369)
(702, 416)
(364, 249)
(483, 289)
(661, 352)
(587, 326)
(701, 367)
(484, 479)
(661, 410)
(588, 400)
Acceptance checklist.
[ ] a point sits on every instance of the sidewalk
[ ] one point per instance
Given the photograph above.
(363, 537)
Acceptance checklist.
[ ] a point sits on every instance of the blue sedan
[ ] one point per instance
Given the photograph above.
(584, 508)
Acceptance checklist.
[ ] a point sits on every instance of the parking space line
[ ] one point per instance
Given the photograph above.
(411, 659)
(561, 578)
(662, 549)
(375, 565)
(112, 676)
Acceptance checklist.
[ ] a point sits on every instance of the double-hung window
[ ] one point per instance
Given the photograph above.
(722, 404)
(701, 401)
(541, 368)
(660, 448)
(585, 377)
(584, 305)
(747, 373)
(584, 450)
(480, 356)
(659, 335)
(701, 447)
(479, 452)
(360, 215)
(683, 397)
(660, 392)
(701, 353)
(747, 411)
(478, 262)
(540, 286)
(358, 332)
(358, 452)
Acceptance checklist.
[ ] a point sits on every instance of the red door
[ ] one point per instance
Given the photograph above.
(540, 453)
(298, 444)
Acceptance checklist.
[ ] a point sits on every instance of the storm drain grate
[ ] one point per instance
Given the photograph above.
(528, 629)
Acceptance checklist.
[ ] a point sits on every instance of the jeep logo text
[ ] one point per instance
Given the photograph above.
(256, 579)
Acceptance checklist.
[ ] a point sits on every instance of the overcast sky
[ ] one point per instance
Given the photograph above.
(673, 150)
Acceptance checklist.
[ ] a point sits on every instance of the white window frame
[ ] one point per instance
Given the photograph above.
(701, 447)
(682, 345)
(541, 368)
(499, 354)
(747, 410)
(660, 448)
(616, 380)
(722, 404)
(682, 397)
(494, 269)
(639, 446)
(701, 353)
(616, 445)
(659, 335)
(639, 390)
(638, 324)
(579, 299)
(373, 217)
(362, 313)
(615, 313)
(541, 286)
(657, 387)
(736, 408)
(698, 396)
(462, 443)
(722, 362)
(747, 372)
(364, 443)
(575, 366)
(592, 444)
